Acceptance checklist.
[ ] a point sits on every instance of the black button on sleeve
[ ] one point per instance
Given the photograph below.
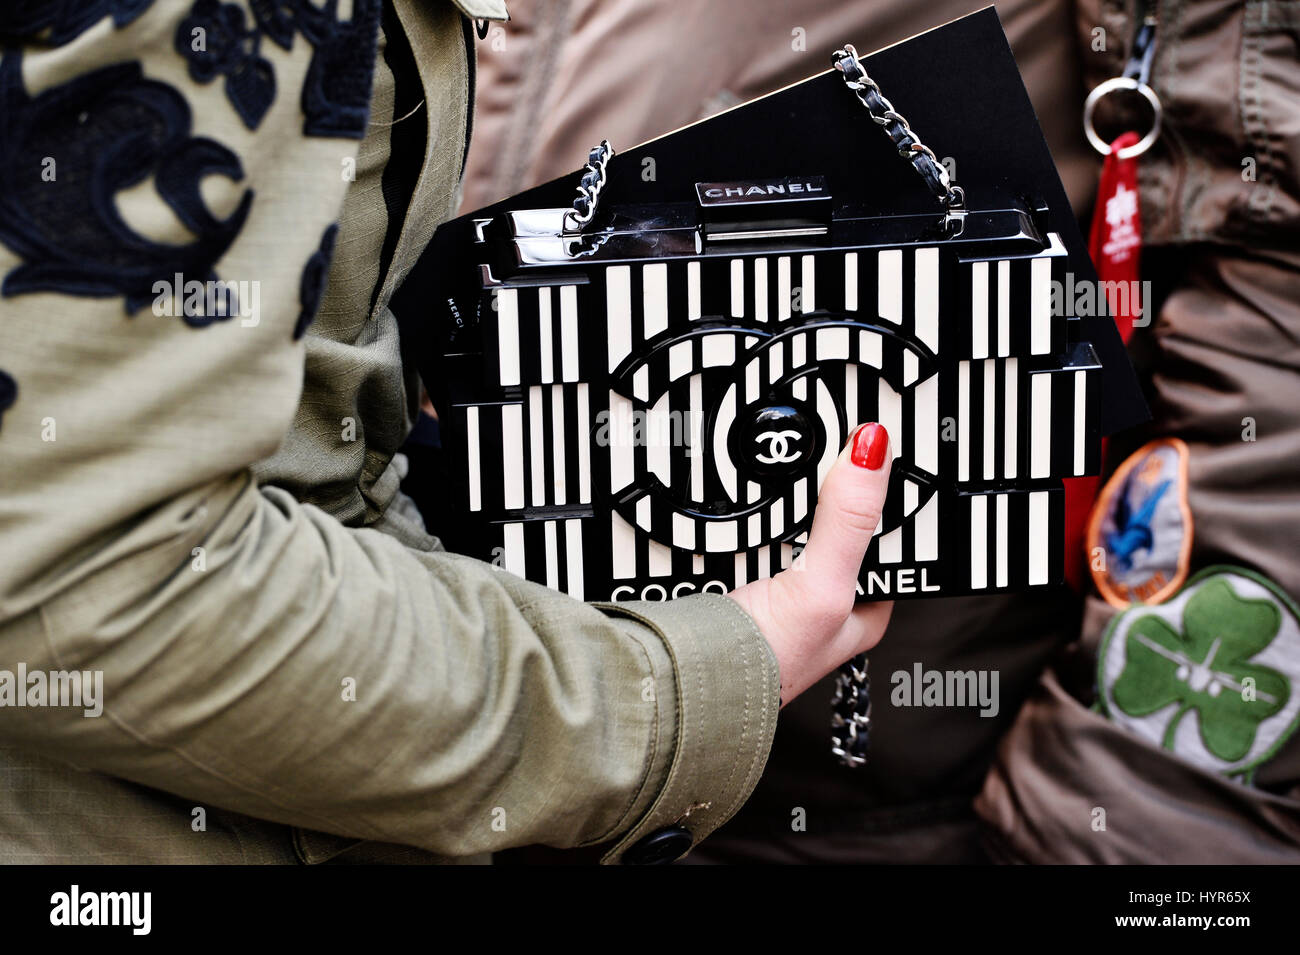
(660, 847)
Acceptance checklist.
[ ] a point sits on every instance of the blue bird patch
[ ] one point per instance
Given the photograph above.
(1140, 532)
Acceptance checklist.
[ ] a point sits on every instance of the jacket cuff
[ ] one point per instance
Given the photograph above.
(720, 725)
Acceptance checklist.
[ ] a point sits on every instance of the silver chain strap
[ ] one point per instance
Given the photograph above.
(593, 181)
(905, 140)
(851, 713)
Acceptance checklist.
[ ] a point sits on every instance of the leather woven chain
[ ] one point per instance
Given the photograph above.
(905, 140)
(851, 713)
(593, 181)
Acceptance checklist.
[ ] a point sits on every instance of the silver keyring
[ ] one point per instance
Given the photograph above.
(1110, 86)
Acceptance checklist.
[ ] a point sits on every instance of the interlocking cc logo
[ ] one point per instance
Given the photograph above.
(778, 438)
(763, 416)
(779, 447)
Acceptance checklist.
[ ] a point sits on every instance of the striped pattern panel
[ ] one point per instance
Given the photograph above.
(642, 302)
(536, 335)
(555, 552)
(1003, 308)
(538, 451)
(548, 552)
(1015, 423)
(1013, 538)
(1055, 397)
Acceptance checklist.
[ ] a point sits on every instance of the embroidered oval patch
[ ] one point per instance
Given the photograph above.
(1209, 675)
(1140, 533)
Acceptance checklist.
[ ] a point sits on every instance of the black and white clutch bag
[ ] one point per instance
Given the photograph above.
(639, 392)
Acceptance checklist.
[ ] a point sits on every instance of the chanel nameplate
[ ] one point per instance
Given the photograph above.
(803, 189)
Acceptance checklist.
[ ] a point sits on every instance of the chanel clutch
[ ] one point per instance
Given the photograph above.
(640, 389)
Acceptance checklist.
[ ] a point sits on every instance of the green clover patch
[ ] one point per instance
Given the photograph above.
(1225, 651)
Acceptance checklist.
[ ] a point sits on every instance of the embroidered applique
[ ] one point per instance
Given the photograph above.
(217, 40)
(8, 394)
(311, 287)
(1140, 533)
(55, 22)
(336, 92)
(1210, 674)
(100, 133)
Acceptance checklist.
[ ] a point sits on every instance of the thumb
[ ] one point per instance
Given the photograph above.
(848, 509)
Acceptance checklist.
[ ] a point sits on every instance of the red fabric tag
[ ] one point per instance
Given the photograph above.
(1115, 245)
(1116, 241)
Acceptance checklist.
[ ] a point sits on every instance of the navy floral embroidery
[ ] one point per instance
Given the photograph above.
(311, 287)
(57, 21)
(104, 131)
(336, 90)
(336, 93)
(8, 394)
(215, 41)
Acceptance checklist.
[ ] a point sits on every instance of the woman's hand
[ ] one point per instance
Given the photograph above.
(807, 611)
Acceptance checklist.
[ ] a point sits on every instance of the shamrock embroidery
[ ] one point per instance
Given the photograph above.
(1207, 668)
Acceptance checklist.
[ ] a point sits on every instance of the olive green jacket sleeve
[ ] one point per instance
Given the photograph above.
(257, 652)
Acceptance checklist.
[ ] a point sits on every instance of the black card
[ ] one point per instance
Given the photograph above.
(646, 410)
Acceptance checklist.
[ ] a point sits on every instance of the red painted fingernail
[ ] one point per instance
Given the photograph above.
(870, 442)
